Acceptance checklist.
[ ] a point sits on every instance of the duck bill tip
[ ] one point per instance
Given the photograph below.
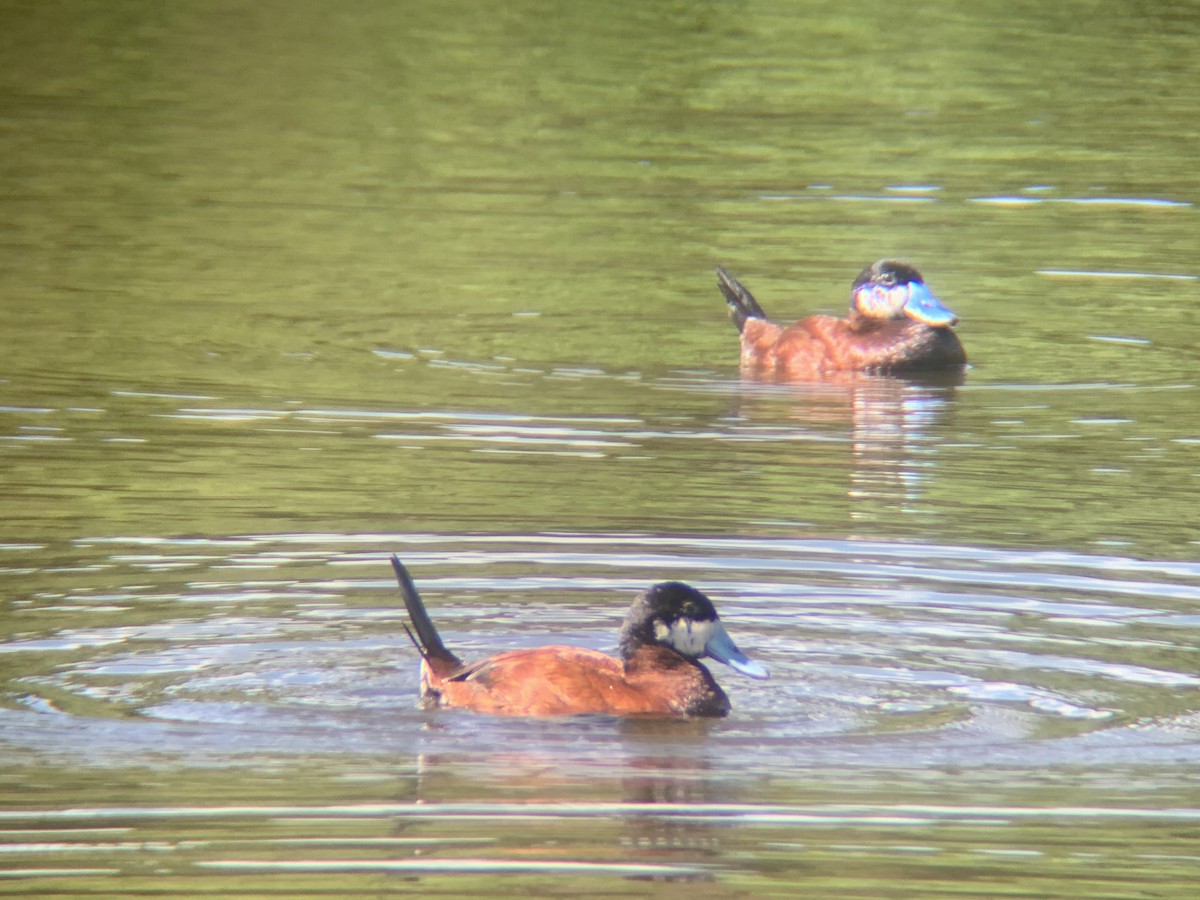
(722, 648)
(750, 668)
(927, 309)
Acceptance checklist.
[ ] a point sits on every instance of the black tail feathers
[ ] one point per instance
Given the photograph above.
(742, 305)
(427, 640)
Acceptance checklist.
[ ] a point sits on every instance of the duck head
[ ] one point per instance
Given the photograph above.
(682, 618)
(890, 289)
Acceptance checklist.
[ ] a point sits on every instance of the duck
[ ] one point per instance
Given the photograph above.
(669, 628)
(895, 326)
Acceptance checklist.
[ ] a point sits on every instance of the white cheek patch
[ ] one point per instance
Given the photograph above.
(687, 636)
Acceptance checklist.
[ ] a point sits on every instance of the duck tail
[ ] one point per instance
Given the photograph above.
(427, 640)
(742, 305)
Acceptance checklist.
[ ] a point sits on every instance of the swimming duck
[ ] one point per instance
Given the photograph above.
(895, 326)
(669, 628)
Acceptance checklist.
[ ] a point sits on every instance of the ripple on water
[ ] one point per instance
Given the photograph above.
(873, 646)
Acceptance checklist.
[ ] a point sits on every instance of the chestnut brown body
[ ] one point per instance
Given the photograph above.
(668, 628)
(894, 326)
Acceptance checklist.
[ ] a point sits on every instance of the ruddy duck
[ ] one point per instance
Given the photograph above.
(669, 628)
(895, 326)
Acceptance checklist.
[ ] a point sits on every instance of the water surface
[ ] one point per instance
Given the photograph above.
(288, 288)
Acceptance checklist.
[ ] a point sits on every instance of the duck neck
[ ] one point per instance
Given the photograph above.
(861, 324)
(633, 637)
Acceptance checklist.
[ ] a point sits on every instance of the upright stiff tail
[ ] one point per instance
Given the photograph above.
(427, 640)
(742, 305)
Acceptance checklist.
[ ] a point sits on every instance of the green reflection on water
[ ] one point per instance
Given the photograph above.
(240, 204)
(978, 834)
(234, 205)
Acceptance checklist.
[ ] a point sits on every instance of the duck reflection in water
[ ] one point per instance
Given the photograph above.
(890, 368)
(895, 326)
(670, 797)
(653, 785)
(669, 628)
(881, 431)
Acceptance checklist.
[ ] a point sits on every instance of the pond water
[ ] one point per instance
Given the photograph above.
(287, 288)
